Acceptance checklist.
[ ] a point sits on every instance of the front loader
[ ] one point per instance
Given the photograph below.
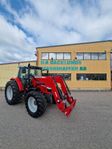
(37, 88)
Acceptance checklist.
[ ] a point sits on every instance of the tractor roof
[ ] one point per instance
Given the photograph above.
(31, 67)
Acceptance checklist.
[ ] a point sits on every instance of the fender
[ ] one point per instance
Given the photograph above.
(19, 83)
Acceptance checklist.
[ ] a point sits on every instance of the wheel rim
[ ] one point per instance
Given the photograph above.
(32, 104)
(9, 93)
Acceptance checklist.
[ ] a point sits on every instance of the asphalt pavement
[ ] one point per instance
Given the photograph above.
(88, 127)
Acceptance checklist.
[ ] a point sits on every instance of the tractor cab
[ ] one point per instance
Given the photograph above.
(26, 73)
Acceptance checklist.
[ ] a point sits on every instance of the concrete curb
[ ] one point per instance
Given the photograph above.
(91, 90)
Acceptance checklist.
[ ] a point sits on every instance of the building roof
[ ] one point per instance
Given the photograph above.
(75, 44)
(17, 62)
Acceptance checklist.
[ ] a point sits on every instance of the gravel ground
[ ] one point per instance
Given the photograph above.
(88, 127)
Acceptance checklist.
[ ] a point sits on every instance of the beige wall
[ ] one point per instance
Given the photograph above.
(93, 66)
(10, 70)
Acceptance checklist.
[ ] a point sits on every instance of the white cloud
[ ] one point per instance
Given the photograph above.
(13, 43)
(55, 22)
(52, 18)
(49, 22)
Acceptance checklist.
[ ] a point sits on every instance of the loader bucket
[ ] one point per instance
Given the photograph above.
(69, 109)
(66, 107)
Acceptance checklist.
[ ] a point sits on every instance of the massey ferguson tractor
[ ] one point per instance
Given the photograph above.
(37, 88)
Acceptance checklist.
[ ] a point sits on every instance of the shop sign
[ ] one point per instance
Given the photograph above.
(61, 62)
(59, 65)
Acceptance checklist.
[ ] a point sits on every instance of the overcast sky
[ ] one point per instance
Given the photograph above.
(26, 24)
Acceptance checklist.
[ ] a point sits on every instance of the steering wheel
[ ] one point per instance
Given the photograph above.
(32, 76)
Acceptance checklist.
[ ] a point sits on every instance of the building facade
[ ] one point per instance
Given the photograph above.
(85, 66)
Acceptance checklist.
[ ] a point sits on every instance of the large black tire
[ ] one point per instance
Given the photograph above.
(35, 103)
(12, 93)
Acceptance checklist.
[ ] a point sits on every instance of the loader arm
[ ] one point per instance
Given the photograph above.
(60, 92)
(66, 102)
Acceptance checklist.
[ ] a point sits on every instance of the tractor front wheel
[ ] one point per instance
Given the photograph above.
(12, 93)
(35, 104)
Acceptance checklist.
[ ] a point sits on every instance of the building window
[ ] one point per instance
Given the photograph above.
(52, 55)
(45, 56)
(80, 56)
(94, 56)
(66, 76)
(55, 55)
(96, 77)
(67, 55)
(87, 56)
(102, 56)
(91, 56)
(59, 55)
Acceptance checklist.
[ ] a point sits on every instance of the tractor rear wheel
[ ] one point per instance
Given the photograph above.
(12, 93)
(35, 104)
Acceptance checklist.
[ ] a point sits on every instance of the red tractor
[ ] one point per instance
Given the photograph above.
(37, 87)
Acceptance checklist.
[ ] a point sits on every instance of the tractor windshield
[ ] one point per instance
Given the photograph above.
(36, 72)
(25, 71)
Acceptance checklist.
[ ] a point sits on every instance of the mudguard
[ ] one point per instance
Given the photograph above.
(19, 83)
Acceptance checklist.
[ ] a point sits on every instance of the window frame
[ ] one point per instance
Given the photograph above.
(66, 53)
(52, 53)
(61, 74)
(44, 58)
(95, 53)
(91, 53)
(102, 53)
(82, 55)
(91, 75)
(60, 53)
(86, 53)
(56, 55)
